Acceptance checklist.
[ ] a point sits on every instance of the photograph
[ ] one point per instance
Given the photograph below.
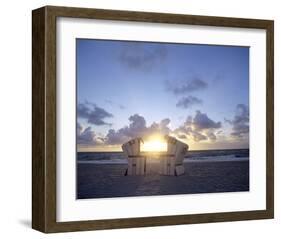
(161, 118)
(143, 119)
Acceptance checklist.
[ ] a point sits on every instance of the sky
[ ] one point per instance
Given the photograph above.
(196, 93)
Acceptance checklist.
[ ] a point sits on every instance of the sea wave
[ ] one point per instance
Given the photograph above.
(104, 161)
(222, 158)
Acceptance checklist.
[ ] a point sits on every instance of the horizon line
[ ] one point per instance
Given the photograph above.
(120, 151)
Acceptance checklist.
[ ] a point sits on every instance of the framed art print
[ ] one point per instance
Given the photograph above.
(149, 119)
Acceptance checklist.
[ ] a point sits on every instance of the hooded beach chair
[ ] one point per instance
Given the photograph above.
(172, 163)
(136, 162)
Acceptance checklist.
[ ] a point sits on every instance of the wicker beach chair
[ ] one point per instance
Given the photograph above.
(172, 163)
(136, 162)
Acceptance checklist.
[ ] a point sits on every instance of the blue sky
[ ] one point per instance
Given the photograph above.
(198, 93)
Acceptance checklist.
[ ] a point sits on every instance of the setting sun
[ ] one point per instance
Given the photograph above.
(155, 144)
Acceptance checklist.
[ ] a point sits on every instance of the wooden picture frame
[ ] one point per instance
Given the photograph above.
(44, 118)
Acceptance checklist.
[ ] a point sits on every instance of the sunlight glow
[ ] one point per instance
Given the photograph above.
(155, 144)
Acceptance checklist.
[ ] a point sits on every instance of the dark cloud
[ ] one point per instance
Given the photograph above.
(201, 121)
(240, 130)
(186, 86)
(240, 122)
(79, 128)
(187, 102)
(198, 136)
(139, 57)
(87, 136)
(116, 137)
(137, 128)
(138, 123)
(93, 114)
(200, 127)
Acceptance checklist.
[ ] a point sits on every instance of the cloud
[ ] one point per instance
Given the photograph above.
(240, 122)
(116, 137)
(79, 128)
(160, 128)
(93, 114)
(87, 136)
(137, 128)
(196, 128)
(187, 102)
(212, 136)
(136, 56)
(198, 136)
(201, 121)
(199, 128)
(137, 122)
(186, 86)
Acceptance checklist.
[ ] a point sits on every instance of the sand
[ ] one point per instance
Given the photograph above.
(108, 180)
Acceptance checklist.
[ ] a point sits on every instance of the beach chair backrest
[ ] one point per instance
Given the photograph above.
(135, 146)
(181, 151)
(171, 145)
(132, 147)
(126, 149)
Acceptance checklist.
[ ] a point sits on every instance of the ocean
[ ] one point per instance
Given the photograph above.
(195, 155)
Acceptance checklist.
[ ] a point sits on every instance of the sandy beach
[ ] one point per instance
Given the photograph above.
(108, 180)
